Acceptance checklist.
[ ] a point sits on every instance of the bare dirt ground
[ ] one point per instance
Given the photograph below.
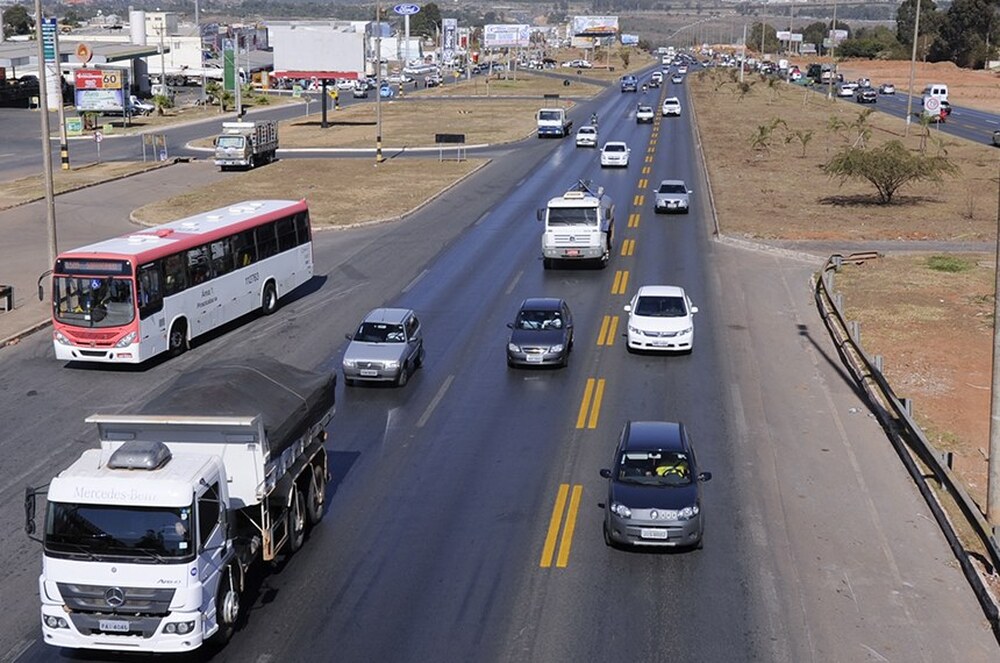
(933, 327)
(17, 192)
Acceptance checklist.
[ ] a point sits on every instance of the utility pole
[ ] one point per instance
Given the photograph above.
(201, 51)
(743, 53)
(993, 477)
(378, 77)
(50, 198)
(913, 69)
(833, 52)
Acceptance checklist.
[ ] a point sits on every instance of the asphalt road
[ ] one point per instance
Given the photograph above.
(817, 546)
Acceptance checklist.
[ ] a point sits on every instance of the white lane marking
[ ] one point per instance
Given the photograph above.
(434, 403)
(16, 651)
(513, 283)
(481, 218)
(415, 280)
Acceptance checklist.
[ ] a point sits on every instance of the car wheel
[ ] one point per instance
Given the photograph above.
(608, 541)
(419, 361)
(546, 263)
(404, 375)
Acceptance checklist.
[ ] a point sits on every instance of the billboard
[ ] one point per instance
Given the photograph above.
(505, 35)
(595, 25)
(449, 37)
(630, 40)
(321, 48)
(101, 90)
(788, 35)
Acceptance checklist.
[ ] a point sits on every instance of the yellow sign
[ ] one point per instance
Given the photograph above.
(112, 80)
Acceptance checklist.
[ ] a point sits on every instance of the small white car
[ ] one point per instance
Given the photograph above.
(586, 136)
(847, 89)
(677, 79)
(660, 318)
(672, 196)
(644, 114)
(345, 84)
(682, 69)
(671, 106)
(614, 153)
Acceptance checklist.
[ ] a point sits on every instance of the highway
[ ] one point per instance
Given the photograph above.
(446, 538)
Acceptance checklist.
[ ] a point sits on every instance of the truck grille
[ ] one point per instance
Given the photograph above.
(116, 600)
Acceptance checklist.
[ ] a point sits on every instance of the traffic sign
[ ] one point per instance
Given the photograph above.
(406, 9)
(98, 136)
(932, 105)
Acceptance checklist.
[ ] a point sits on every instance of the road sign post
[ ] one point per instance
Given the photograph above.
(98, 137)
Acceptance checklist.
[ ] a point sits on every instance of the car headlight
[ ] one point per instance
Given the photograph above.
(513, 348)
(686, 330)
(180, 628)
(392, 364)
(688, 512)
(556, 348)
(62, 340)
(621, 510)
(127, 340)
(349, 363)
(634, 330)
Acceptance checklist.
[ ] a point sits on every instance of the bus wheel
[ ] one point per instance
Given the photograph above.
(177, 341)
(269, 302)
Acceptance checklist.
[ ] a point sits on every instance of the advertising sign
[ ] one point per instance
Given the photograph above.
(630, 40)
(407, 9)
(50, 28)
(595, 25)
(101, 90)
(449, 35)
(505, 35)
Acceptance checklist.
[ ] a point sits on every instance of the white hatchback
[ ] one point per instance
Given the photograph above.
(671, 106)
(586, 136)
(614, 153)
(660, 318)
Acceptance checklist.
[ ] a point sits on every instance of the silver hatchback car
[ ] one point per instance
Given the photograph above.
(387, 347)
(672, 196)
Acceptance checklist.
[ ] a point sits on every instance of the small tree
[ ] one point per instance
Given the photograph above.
(861, 126)
(888, 168)
(802, 136)
(626, 56)
(761, 140)
(161, 102)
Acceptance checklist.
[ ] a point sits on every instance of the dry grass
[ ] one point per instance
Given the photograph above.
(966, 87)
(519, 83)
(341, 192)
(17, 192)
(180, 114)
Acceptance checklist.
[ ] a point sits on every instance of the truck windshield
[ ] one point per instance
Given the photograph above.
(572, 216)
(230, 141)
(142, 534)
(93, 301)
(549, 115)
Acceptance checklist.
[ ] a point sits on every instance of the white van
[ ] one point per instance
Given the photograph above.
(937, 90)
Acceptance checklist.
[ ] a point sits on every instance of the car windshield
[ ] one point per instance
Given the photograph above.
(573, 216)
(139, 533)
(661, 306)
(645, 109)
(655, 467)
(380, 332)
(528, 319)
(230, 141)
(612, 147)
(93, 301)
(587, 130)
(672, 188)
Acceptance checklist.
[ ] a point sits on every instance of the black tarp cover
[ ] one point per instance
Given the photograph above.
(289, 399)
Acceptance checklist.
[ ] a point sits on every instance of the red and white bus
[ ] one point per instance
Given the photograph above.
(127, 299)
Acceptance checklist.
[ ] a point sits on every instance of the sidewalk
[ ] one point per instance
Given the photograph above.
(82, 217)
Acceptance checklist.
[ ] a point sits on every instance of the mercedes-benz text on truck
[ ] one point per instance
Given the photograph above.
(148, 539)
(579, 225)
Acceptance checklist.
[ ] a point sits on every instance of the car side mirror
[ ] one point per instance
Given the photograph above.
(607, 474)
(510, 325)
(694, 309)
(627, 308)
(540, 214)
(705, 476)
(690, 191)
(348, 337)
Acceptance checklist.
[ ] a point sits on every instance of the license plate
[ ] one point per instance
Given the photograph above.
(534, 358)
(113, 625)
(660, 344)
(369, 373)
(654, 534)
(572, 252)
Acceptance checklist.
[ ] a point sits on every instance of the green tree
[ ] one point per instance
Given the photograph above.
(426, 22)
(888, 168)
(815, 33)
(771, 43)
(906, 14)
(625, 54)
(17, 21)
(802, 136)
(969, 33)
(870, 43)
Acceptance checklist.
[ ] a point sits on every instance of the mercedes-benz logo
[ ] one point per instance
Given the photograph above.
(115, 597)
(572, 238)
(654, 514)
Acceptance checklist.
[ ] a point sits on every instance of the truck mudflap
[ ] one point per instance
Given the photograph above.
(298, 500)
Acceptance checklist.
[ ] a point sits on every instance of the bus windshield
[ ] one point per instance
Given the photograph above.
(93, 301)
(148, 534)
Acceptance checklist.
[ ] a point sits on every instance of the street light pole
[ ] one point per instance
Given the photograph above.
(913, 68)
(43, 90)
(993, 475)
(201, 51)
(833, 53)
(378, 81)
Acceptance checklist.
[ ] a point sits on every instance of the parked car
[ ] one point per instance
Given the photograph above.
(887, 88)
(866, 95)
(672, 196)
(586, 136)
(140, 107)
(671, 106)
(661, 318)
(541, 334)
(654, 488)
(360, 90)
(644, 114)
(387, 347)
(345, 84)
(577, 64)
(614, 153)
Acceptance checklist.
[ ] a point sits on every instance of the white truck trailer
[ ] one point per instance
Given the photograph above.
(246, 144)
(148, 539)
(579, 226)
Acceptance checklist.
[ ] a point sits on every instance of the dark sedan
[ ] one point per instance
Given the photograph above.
(654, 488)
(541, 334)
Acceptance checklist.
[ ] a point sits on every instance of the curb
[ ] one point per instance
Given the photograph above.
(14, 338)
(764, 247)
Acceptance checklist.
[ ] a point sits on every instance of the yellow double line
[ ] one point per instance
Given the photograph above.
(620, 283)
(633, 220)
(643, 182)
(639, 198)
(556, 523)
(593, 394)
(608, 328)
(628, 247)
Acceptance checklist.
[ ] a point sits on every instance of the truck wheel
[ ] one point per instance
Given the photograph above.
(251, 163)
(269, 301)
(296, 521)
(177, 341)
(316, 495)
(227, 610)
(546, 263)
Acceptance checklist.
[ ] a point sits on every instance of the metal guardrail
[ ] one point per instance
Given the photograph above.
(907, 438)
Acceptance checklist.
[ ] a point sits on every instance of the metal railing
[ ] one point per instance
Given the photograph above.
(924, 462)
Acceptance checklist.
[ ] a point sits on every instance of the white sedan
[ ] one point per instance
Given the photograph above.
(671, 106)
(615, 153)
(586, 136)
(661, 318)
(644, 114)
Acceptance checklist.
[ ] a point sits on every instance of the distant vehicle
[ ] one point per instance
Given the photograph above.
(677, 79)
(654, 488)
(579, 226)
(387, 347)
(996, 137)
(656, 79)
(660, 318)
(246, 144)
(937, 90)
(672, 196)
(846, 89)
(644, 114)
(345, 84)
(553, 122)
(360, 90)
(386, 91)
(127, 299)
(399, 78)
(541, 334)
(577, 64)
(887, 88)
(682, 69)
(629, 83)
(615, 153)
(140, 107)
(586, 136)
(671, 106)
(866, 95)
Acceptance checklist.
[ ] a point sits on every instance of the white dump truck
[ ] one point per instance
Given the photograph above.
(246, 144)
(579, 225)
(148, 539)
(553, 122)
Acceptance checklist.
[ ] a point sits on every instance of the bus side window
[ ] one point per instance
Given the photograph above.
(175, 274)
(150, 290)
(243, 249)
(222, 259)
(286, 234)
(198, 265)
(267, 243)
(302, 229)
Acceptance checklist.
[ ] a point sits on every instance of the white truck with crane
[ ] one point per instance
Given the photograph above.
(148, 540)
(246, 144)
(579, 226)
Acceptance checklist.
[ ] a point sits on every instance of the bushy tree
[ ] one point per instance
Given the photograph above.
(930, 19)
(425, 23)
(870, 43)
(888, 168)
(17, 21)
(968, 34)
(771, 43)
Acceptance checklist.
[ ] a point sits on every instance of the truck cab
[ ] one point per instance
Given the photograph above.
(579, 226)
(553, 122)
